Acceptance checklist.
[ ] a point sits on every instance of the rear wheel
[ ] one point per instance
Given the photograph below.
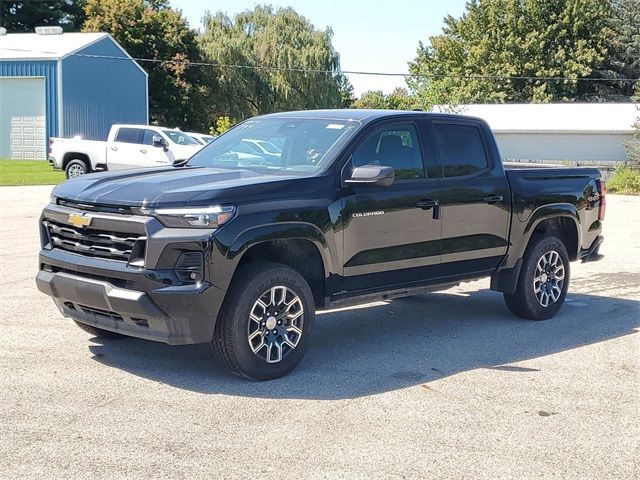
(543, 282)
(264, 327)
(99, 332)
(76, 168)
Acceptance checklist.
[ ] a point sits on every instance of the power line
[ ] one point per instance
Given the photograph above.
(346, 72)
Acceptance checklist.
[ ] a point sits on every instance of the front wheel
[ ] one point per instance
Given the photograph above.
(263, 329)
(543, 282)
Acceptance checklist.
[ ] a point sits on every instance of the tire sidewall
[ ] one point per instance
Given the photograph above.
(76, 162)
(250, 363)
(533, 255)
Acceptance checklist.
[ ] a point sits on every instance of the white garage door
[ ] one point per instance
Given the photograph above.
(22, 118)
(28, 137)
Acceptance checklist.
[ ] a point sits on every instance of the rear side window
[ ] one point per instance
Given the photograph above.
(460, 148)
(129, 135)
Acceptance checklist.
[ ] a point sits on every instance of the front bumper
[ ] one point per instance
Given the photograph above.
(144, 300)
(178, 315)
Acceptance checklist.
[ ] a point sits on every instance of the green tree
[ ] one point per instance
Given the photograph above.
(623, 60)
(25, 16)
(514, 38)
(151, 29)
(266, 51)
(399, 99)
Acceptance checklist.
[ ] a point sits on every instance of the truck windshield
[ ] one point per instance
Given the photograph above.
(179, 137)
(302, 146)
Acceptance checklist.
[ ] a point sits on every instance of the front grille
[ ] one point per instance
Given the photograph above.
(128, 247)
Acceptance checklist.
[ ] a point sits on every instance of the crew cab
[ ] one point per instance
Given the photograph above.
(127, 146)
(359, 205)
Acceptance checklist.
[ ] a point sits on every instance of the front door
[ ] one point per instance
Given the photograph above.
(391, 234)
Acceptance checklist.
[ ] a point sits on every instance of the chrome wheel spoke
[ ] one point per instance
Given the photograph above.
(275, 324)
(548, 279)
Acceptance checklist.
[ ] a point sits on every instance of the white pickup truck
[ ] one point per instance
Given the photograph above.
(128, 146)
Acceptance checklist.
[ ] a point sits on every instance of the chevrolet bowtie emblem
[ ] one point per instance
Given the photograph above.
(79, 220)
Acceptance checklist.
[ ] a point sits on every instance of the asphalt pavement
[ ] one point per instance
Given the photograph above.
(445, 385)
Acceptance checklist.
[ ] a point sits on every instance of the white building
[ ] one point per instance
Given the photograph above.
(577, 133)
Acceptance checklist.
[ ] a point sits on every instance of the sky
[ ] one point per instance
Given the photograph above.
(369, 35)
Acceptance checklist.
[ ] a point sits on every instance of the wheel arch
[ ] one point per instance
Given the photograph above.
(300, 246)
(559, 220)
(76, 156)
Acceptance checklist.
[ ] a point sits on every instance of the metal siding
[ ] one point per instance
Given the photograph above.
(38, 68)
(593, 148)
(98, 92)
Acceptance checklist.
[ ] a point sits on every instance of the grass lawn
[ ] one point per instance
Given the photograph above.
(28, 172)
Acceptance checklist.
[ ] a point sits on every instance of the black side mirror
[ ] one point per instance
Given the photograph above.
(378, 175)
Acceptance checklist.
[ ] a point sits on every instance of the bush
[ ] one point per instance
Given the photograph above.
(625, 180)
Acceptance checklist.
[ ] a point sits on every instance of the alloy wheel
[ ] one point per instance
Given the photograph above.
(549, 278)
(275, 324)
(75, 171)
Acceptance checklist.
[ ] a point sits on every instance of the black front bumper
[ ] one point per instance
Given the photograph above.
(177, 315)
(141, 301)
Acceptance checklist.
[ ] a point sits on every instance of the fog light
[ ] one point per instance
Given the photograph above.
(190, 267)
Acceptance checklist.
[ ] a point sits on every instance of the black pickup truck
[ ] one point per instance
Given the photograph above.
(289, 213)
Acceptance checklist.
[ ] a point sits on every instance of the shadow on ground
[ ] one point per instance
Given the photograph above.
(393, 345)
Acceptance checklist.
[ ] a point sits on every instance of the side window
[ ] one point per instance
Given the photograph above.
(147, 137)
(129, 135)
(460, 148)
(394, 146)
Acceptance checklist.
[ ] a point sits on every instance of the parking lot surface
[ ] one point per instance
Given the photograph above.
(445, 385)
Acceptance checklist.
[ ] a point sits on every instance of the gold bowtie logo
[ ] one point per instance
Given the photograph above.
(79, 220)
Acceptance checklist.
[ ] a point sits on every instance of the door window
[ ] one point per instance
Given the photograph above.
(393, 146)
(129, 135)
(147, 137)
(460, 148)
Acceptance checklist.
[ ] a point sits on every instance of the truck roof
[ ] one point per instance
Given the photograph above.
(360, 114)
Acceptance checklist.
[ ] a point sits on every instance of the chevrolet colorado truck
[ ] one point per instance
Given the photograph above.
(127, 146)
(360, 205)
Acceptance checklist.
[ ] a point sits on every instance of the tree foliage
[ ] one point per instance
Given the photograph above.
(25, 16)
(271, 47)
(515, 38)
(399, 99)
(151, 29)
(623, 60)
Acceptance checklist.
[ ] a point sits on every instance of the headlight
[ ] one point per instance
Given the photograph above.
(193, 217)
(54, 199)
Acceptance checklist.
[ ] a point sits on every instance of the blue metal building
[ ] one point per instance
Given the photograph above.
(63, 85)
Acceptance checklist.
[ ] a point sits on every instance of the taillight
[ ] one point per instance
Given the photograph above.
(50, 145)
(602, 190)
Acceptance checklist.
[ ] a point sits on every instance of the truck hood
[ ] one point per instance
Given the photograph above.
(173, 187)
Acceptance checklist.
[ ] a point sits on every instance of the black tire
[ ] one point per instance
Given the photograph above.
(230, 341)
(99, 332)
(525, 302)
(76, 168)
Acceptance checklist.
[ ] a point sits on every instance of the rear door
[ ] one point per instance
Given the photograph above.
(391, 235)
(474, 200)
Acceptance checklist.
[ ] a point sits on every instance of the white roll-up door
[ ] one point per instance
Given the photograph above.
(22, 118)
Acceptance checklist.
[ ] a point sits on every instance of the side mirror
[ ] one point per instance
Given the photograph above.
(378, 175)
(158, 141)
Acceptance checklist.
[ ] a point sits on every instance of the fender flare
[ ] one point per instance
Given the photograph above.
(552, 211)
(281, 231)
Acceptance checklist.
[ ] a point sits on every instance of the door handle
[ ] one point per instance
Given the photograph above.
(493, 198)
(115, 149)
(427, 204)
(142, 150)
